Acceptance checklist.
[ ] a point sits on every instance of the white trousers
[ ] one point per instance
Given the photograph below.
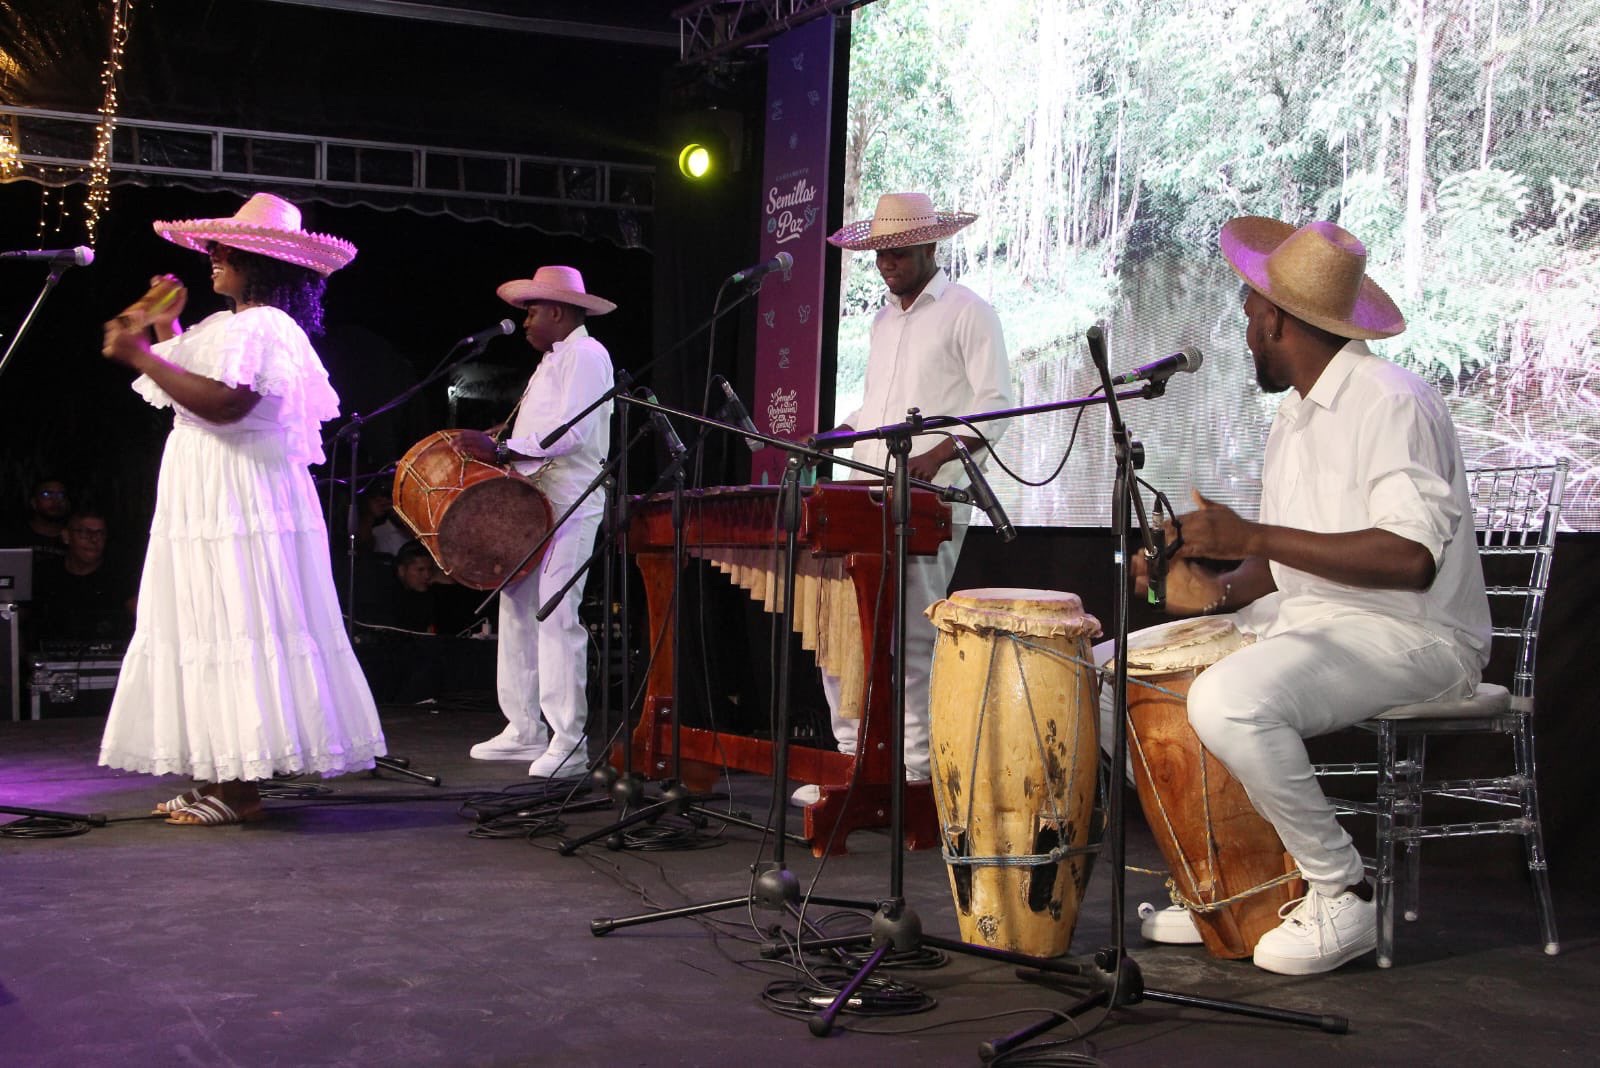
(1254, 708)
(542, 668)
(927, 580)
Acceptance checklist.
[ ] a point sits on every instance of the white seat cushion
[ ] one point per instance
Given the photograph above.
(1489, 700)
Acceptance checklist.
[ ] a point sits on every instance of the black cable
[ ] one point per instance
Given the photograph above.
(44, 827)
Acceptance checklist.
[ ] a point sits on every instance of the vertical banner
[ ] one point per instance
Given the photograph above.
(793, 198)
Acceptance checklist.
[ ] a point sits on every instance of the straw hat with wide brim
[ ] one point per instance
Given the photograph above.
(1317, 273)
(268, 226)
(564, 285)
(899, 221)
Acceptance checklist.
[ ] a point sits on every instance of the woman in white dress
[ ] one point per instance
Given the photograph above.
(239, 666)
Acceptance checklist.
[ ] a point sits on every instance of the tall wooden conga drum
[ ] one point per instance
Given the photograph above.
(1014, 732)
(1226, 862)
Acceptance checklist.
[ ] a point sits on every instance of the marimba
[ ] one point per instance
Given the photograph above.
(839, 566)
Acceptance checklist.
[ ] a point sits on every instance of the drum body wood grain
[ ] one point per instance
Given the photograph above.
(476, 519)
(1015, 747)
(1215, 843)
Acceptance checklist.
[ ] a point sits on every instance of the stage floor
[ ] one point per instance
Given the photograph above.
(366, 926)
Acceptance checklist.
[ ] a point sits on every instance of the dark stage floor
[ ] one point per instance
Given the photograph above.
(348, 933)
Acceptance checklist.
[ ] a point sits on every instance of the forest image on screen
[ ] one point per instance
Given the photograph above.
(1104, 144)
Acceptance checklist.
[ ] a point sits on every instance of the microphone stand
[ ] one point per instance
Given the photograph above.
(1113, 977)
(57, 269)
(775, 887)
(676, 798)
(352, 430)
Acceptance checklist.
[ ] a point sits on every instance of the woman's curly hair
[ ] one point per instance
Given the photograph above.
(295, 290)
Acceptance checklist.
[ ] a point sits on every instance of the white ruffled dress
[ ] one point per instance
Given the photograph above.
(239, 666)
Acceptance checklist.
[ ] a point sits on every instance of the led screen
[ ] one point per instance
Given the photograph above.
(1104, 144)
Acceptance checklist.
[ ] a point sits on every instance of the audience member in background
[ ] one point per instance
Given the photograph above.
(83, 595)
(45, 518)
(378, 529)
(413, 653)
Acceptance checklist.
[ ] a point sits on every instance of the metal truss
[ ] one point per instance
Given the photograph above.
(714, 28)
(62, 143)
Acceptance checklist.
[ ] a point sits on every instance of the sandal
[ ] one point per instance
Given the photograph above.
(214, 812)
(179, 803)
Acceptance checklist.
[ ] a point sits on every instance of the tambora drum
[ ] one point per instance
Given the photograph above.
(1014, 733)
(1226, 862)
(477, 519)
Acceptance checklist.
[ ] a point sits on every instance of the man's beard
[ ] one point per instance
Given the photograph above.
(1267, 383)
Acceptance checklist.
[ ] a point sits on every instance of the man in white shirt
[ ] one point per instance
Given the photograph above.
(937, 346)
(1361, 581)
(542, 667)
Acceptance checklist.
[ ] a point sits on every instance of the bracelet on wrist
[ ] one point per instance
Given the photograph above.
(1220, 603)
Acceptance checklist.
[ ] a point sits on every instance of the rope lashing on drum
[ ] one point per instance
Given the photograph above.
(1177, 895)
(1030, 860)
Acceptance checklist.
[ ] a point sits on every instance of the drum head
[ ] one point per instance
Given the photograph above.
(489, 529)
(1183, 645)
(1041, 613)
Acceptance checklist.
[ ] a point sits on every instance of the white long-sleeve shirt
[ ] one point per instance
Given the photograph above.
(945, 355)
(575, 371)
(1372, 445)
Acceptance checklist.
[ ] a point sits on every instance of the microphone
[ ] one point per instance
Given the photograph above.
(982, 495)
(669, 437)
(781, 262)
(504, 328)
(740, 417)
(1156, 571)
(81, 256)
(1161, 370)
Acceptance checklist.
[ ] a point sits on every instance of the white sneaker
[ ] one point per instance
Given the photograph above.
(507, 746)
(1171, 926)
(561, 762)
(1318, 934)
(809, 794)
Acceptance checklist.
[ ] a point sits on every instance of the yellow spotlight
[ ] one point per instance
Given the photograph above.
(695, 160)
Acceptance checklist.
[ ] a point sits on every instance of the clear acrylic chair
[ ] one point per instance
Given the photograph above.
(1516, 511)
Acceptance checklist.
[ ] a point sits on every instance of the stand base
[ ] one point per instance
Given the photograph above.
(830, 820)
(1113, 979)
(402, 766)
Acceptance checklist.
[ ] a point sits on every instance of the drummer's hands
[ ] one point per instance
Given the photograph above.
(1215, 532)
(1192, 588)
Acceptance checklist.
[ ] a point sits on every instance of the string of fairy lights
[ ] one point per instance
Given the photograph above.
(99, 198)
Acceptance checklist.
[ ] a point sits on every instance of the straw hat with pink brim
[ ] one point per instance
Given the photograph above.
(1317, 273)
(267, 226)
(563, 285)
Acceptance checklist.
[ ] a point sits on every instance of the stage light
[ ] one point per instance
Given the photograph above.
(695, 161)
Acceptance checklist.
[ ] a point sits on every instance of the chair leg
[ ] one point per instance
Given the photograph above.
(1533, 836)
(1385, 846)
(1411, 808)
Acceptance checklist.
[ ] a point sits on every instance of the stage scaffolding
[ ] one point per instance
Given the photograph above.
(55, 148)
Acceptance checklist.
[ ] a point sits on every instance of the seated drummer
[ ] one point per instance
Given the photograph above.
(1361, 580)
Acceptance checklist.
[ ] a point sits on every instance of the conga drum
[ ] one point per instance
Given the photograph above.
(478, 520)
(1014, 732)
(1227, 863)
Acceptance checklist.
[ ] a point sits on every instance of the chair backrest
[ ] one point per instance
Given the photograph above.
(1516, 511)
